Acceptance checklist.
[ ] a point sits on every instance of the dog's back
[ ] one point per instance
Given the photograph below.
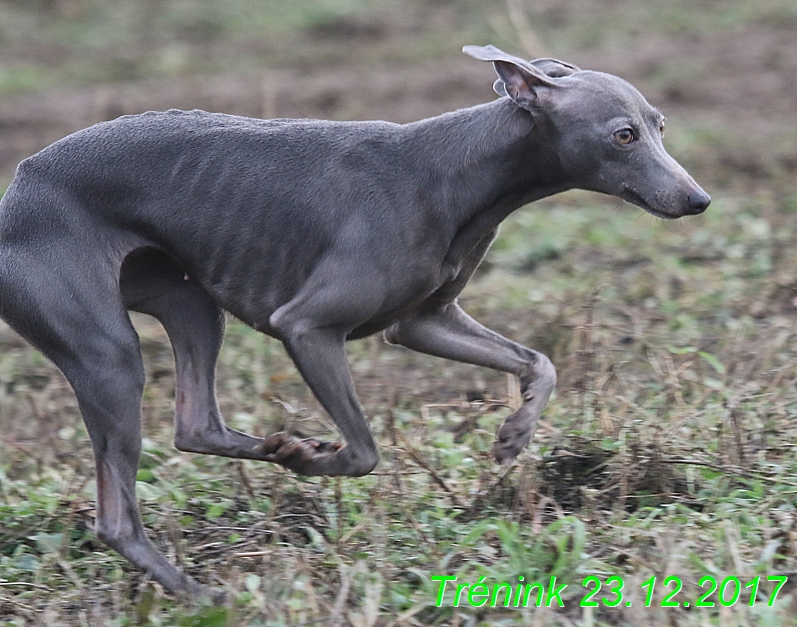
(229, 198)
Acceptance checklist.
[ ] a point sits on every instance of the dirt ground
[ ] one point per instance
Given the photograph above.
(740, 85)
(731, 102)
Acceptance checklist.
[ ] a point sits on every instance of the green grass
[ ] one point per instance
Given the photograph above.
(93, 42)
(667, 450)
(56, 43)
(591, 24)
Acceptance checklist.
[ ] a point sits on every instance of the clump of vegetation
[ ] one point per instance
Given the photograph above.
(666, 452)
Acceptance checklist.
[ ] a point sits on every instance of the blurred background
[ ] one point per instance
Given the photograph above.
(668, 449)
(722, 70)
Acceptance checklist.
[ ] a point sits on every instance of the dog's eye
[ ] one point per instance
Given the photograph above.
(661, 129)
(624, 136)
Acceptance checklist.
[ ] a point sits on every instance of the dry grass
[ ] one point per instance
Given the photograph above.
(667, 450)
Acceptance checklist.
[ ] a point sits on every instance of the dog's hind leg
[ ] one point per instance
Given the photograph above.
(152, 283)
(72, 311)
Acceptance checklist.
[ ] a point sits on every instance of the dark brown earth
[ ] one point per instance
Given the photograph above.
(738, 84)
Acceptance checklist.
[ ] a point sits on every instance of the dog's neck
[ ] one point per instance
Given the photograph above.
(483, 162)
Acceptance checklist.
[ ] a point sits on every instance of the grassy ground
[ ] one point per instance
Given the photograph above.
(666, 452)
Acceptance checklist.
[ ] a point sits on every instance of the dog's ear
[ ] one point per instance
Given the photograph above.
(518, 79)
(498, 87)
(554, 67)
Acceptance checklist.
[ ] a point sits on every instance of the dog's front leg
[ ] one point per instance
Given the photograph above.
(451, 333)
(320, 356)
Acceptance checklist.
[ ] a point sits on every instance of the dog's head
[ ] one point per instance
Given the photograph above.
(605, 135)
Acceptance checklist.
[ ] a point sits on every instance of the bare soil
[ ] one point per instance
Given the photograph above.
(739, 84)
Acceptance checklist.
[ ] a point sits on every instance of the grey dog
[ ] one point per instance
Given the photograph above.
(313, 232)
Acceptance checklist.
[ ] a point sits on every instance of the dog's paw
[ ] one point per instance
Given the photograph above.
(303, 456)
(513, 436)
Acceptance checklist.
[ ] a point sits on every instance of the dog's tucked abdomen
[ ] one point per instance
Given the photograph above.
(218, 193)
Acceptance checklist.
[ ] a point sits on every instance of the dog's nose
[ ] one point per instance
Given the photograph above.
(699, 201)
